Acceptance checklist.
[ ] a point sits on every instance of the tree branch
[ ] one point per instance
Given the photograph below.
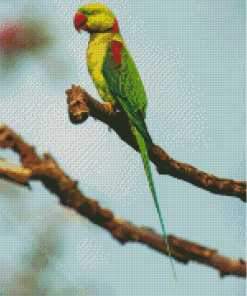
(54, 179)
(81, 105)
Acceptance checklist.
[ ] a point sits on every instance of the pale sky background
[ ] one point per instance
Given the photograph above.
(191, 57)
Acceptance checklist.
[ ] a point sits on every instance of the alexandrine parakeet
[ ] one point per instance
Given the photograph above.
(116, 78)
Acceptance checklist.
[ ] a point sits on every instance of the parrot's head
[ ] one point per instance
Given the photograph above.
(95, 18)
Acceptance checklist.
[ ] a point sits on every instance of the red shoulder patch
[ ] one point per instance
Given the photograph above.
(116, 50)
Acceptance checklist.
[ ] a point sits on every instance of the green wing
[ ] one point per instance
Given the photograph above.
(126, 86)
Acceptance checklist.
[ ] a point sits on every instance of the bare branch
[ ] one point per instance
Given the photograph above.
(81, 104)
(54, 179)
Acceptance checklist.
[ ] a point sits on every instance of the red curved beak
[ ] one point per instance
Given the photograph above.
(79, 21)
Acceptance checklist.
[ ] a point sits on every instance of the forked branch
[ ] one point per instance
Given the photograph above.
(47, 171)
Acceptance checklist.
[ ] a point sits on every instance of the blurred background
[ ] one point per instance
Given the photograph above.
(191, 57)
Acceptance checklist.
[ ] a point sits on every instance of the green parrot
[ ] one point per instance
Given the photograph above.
(116, 78)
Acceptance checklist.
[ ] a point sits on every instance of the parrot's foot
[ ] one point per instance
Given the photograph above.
(109, 107)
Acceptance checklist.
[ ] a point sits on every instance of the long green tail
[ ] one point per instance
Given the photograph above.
(145, 158)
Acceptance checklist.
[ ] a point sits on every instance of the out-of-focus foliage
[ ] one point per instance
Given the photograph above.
(24, 36)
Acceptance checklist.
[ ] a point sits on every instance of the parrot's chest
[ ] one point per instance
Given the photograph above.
(95, 58)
